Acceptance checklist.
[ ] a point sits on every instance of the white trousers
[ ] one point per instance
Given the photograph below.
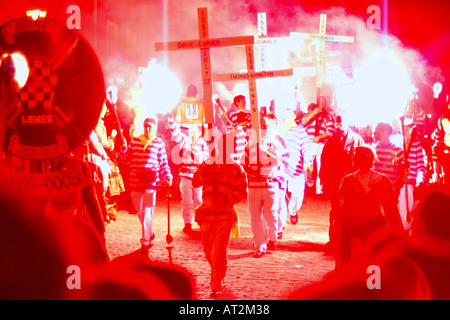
(263, 206)
(144, 203)
(402, 208)
(191, 198)
(296, 186)
(282, 208)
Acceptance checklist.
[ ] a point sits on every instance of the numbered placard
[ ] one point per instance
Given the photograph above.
(191, 112)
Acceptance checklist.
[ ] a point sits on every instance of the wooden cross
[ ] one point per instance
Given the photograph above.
(322, 37)
(251, 77)
(204, 43)
(263, 41)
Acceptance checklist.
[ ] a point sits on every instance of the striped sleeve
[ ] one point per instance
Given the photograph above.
(326, 125)
(388, 161)
(234, 114)
(416, 161)
(330, 125)
(143, 162)
(241, 139)
(299, 151)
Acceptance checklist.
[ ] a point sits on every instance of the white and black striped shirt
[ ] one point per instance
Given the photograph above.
(299, 150)
(144, 161)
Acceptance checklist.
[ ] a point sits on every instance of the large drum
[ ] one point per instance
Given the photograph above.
(59, 103)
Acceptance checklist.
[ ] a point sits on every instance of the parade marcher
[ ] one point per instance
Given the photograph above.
(390, 162)
(191, 110)
(119, 122)
(111, 143)
(241, 134)
(100, 147)
(224, 185)
(336, 164)
(413, 173)
(236, 108)
(389, 157)
(97, 159)
(276, 146)
(319, 125)
(368, 211)
(191, 150)
(148, 161)
(297, 156)
(239, 123)
(261, 164)
(441, 150)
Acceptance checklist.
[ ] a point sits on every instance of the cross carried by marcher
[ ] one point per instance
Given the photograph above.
(204, 43)
(322, 37)
(263, 43)
(251, 76)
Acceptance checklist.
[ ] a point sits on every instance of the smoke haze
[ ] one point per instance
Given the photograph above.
(146, 22)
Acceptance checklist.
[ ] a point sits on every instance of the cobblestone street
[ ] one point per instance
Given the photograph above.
(299, 260)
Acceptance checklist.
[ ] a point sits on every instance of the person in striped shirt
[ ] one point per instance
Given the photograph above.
(319, 125)
(148, 161)
(276, 145)
(224, 185)
(441, 150)
(389, 157)
(261, 163)
(298, 154)
(414, 171)
(242, 134)
(240, 125)
(236, 108)
(190, 151)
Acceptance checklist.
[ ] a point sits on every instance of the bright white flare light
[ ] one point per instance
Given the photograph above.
(36, 14)
(379, 93)
(159, 92)
(437, 89)
(112, 92)
(22, 70)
